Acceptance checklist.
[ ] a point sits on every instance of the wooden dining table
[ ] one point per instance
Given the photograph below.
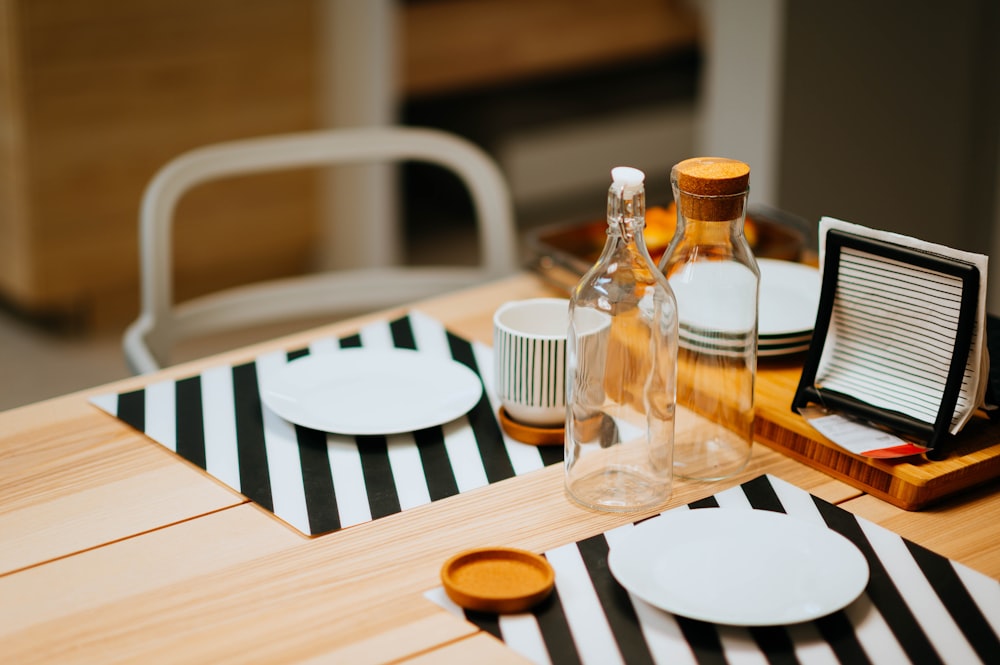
(115, 549)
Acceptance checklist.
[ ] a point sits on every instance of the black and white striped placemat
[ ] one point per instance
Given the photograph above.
(319, 482)
(918, 607)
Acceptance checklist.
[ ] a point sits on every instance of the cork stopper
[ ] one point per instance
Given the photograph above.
(711, 188)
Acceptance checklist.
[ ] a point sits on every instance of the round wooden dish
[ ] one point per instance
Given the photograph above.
(497, 579)
(535, 435)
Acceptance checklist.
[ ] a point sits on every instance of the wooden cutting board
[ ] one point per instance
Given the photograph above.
(910, 483)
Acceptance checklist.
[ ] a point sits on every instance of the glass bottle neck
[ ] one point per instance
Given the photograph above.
(625, 253)
(700, 232)
(625, 238)
(626, 211)
(703, 240)
(627, 229)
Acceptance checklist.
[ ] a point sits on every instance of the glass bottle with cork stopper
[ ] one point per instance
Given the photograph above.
(621, 358)
(715, 279)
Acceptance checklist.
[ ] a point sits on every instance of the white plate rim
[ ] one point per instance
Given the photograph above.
(723, 343)
(798, 336)
(779, 344)
(842, 564)
(763, 350)
(440, 390)
(805, 281)
(781, 351)
(710, 338)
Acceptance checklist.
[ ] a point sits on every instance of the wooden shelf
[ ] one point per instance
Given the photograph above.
(453, 44)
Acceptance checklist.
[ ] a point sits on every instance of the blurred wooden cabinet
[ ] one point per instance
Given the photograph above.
(459, 44)
(95, 96)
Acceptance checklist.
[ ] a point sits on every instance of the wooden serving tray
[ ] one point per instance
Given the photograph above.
(910, 483)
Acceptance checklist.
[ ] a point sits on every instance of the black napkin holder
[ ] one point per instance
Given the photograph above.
(932, 435)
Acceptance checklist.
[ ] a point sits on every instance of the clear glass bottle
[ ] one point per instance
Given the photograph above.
(715, 279)
(621, 357)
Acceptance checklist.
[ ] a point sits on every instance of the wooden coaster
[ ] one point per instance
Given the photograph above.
(497, 579)
(536, 435)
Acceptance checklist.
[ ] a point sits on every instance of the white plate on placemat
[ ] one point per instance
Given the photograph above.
(739, 567)
(368, 391)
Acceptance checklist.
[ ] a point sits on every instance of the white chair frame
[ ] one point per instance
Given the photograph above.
(162, 323)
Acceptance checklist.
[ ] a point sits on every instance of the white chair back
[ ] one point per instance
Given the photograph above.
(162, 323)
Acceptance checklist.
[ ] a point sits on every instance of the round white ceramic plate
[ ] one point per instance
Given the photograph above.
(789, 297)
(739, 567)
(367, 391)
(715, 296)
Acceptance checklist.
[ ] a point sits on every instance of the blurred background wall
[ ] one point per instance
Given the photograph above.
(98, 94)
(883, 113)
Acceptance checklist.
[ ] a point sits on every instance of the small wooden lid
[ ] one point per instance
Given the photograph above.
(497, 579)
(711, 188)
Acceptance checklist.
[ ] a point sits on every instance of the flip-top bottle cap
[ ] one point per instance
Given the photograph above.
(626, 175)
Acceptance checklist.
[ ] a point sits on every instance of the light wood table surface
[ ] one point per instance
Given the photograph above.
(114, 549)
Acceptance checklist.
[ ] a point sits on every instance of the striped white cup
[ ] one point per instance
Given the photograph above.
(529, 351)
